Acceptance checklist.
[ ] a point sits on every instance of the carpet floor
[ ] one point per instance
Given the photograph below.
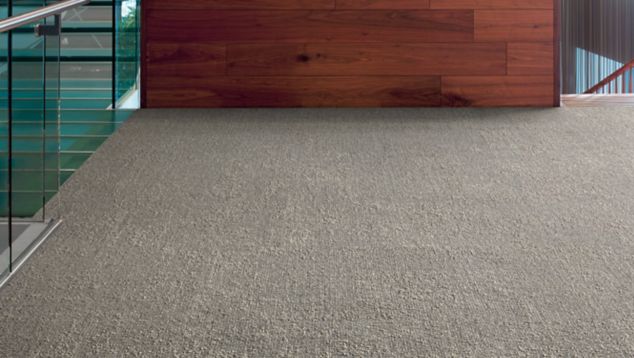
(327, 233)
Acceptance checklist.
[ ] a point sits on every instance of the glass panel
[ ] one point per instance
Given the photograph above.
(52, 83)
(32, 107)
(34, 131)
(87, 57)
(5, 215)
(22, 6)
(126, 75)
(28, 102)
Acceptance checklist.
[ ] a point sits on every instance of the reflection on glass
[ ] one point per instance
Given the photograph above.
(126, 53)
(5, 257)
(29, 135)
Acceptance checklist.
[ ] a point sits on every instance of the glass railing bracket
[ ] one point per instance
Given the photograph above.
(49, 30)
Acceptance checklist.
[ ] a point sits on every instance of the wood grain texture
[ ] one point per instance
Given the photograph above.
(311, 26)
(325, 91)
(491, 4)
(497, 91)
(302, 53)
(383, 4)
(514, 25)
(530, 58)
(239, 4)
(366, 59)
(185, 59)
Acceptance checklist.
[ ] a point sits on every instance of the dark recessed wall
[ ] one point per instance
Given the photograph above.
(294, 53)
(603, 29)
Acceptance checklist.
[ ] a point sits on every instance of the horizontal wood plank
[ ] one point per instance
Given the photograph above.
(514, 25)
(531, 58)
(497, 91)
(492, 4)
(311, 26)
(340, 91)
(366, 59)
(238, 4)
(185, 59)
(383, 4)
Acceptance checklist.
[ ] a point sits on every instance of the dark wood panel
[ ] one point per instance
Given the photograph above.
(357, 91)
(294, 53)
(514, 25)
(491, 4)
(530, 58)
(383, 4)
(238, 4)
(367, 59)
(185, 59)
(487, 91)
(311, 26)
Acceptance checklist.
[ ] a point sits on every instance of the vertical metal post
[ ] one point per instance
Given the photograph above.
(114, 54)
(58, 120)
(44, 108)
(10, 132)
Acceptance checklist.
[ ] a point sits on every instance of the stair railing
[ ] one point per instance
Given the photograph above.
(620, 81)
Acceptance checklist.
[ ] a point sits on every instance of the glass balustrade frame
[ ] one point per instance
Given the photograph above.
(29, 129)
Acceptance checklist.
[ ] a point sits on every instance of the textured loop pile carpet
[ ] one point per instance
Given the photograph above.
(318, 233)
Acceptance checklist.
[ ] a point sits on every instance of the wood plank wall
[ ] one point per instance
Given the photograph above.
(342, 53)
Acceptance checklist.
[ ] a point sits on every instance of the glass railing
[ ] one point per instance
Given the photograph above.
(5, 203)
(99, 67)
(100, 76)
(62, 94)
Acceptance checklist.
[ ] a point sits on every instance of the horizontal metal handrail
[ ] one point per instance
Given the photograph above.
(41, 13)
